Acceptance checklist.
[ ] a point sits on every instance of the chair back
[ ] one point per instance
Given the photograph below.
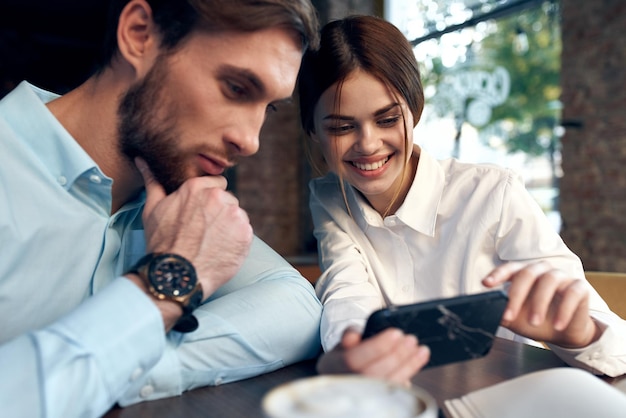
(612, 287)
(310, 271)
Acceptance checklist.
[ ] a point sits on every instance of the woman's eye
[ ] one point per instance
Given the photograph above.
(339, 129)
(389, 121)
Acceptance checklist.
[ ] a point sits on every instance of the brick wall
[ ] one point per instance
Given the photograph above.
(593, 187)
(269, 184)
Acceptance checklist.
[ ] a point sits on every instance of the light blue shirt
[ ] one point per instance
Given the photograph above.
(76, 337)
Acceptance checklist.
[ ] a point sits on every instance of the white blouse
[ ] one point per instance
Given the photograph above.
(458, 222)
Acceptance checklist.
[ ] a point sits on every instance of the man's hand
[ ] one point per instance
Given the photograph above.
(390, 355)
(546, 305)
(200, 221)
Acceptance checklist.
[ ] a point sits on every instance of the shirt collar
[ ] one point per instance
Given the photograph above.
(64, 158)
(421, 205)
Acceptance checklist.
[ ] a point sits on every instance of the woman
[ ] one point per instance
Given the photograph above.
(395, 226)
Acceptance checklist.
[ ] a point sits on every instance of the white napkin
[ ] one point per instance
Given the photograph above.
(558, 392)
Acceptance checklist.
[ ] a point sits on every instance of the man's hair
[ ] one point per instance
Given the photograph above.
(176, 19)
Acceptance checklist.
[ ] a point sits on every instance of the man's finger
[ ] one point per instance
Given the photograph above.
(154, 191)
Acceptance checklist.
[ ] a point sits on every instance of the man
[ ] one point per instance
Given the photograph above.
(96, 271)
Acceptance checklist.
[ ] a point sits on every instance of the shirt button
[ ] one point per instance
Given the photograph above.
(405, 289)
(218, 381)
(136, 374)
(146, 391)
(62, 180)
(95, 179)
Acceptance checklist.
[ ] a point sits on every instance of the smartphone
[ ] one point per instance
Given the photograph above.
(455, 329)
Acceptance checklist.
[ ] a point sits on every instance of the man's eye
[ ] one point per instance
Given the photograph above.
(237, 90)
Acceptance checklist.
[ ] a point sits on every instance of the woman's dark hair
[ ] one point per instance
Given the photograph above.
(367, 43)
(178, 18)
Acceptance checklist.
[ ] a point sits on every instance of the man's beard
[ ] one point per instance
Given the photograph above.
(147, 128)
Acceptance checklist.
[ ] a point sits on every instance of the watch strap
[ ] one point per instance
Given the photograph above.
(187, 322)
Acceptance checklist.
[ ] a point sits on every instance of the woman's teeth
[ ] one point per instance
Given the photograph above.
(370, 166)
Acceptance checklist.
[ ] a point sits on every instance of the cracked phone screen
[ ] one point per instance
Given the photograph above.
(454, 329)
(472, 338)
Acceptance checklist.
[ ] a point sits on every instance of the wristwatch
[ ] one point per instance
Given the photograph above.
(172, 277)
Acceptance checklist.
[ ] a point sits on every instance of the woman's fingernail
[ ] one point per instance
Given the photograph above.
(535, 320)
(508, 315)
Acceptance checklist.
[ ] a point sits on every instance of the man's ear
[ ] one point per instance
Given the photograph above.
(137, 36)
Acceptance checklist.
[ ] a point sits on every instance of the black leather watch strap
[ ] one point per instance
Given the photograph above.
(188, 322)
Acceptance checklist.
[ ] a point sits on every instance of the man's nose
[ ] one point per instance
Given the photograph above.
(247, 144)
(245, 138)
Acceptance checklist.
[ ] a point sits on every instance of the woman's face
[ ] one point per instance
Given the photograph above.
(363, 139)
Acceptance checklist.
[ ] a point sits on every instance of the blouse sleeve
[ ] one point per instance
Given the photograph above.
(346, 287)
(526, 235)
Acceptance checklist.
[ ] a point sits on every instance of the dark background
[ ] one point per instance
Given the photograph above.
(51, 43)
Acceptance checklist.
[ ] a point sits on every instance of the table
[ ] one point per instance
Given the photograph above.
(507, 359)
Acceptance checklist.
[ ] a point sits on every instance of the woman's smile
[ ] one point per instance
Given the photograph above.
(370, 166)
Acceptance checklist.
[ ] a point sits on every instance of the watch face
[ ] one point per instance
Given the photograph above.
(172, 275)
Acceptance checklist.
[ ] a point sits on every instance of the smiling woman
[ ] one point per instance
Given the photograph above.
(396, 226)
(366, 143)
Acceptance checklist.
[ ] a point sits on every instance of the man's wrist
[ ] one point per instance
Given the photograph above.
(168, 276)
(170, 310)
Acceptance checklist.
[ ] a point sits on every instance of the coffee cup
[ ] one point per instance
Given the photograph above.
(347, 396)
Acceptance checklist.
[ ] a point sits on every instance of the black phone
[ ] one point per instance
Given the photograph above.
(455, 329)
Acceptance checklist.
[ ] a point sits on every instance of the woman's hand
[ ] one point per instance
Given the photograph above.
(390, 355)
(545, 304)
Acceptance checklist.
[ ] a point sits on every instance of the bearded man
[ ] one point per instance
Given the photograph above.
(129, 272)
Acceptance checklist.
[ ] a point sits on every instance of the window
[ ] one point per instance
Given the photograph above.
(491, 73)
